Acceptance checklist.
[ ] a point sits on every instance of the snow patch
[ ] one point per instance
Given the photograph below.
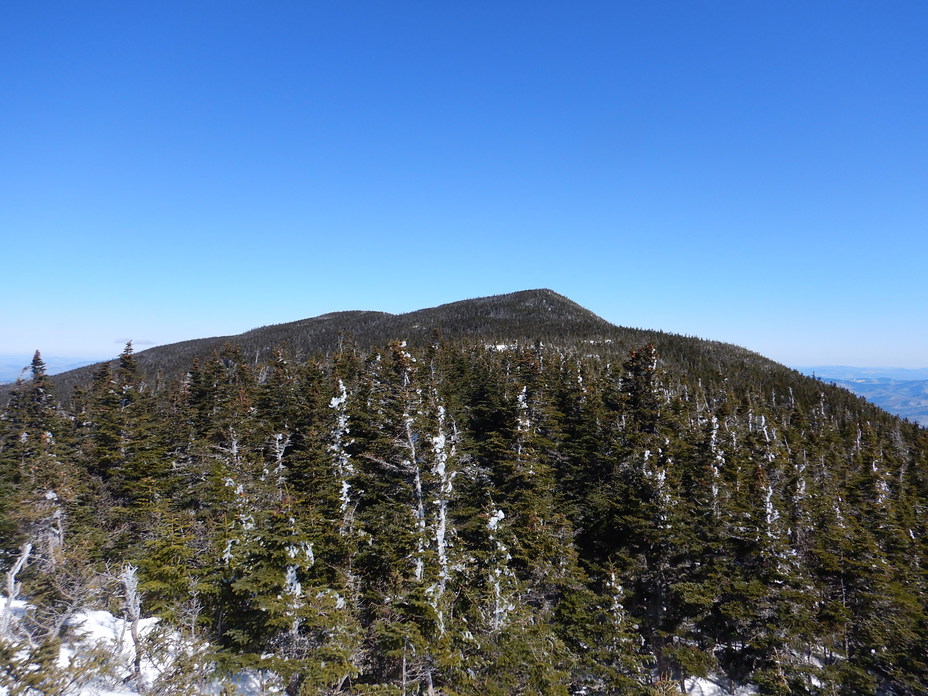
(699, 686)
(495, 519)
(98, 632)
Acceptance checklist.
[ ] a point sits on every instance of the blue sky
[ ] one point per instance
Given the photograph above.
(752, 172)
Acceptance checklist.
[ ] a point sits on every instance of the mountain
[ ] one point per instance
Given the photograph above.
(530, 314)
(12, 367)
(497, 496)
(845, 372)
(521, 317)
(904, 398)
(900, 391)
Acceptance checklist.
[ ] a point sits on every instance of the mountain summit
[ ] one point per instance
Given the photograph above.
(508, 484)
(523, 317)
(527, 315)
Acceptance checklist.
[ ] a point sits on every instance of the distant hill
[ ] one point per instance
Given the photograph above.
(14, 366)
(901, 391)
(845, 372)
(510, 483)
(898, 390)
(526, 316)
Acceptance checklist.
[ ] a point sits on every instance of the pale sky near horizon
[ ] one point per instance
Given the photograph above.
(750, 172)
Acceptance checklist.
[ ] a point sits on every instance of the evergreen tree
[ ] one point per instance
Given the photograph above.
(470, 519)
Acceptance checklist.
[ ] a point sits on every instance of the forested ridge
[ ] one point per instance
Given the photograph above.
(525, 317)
(451, 515)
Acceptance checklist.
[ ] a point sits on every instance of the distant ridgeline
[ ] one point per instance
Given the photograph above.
(13, 367)
(506, 495)
(903, 392)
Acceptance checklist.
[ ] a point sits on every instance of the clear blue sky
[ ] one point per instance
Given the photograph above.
(752, 172)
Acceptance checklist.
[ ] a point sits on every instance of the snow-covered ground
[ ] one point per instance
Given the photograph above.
(698, 686)
(99, 658)
(96, 633)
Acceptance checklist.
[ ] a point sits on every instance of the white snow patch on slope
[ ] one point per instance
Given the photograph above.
(96, 629)
(699, 686)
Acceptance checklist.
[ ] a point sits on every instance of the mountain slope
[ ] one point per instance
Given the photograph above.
(529, 314)
(905, 398)
(525, 317)
(579, 513)
(900, 391)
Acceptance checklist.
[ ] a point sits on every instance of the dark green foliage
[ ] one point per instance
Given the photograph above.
(466, 518)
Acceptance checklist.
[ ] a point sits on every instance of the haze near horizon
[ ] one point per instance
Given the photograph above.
(750, 174)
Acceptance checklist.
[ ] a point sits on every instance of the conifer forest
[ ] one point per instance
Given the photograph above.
(452, 515)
